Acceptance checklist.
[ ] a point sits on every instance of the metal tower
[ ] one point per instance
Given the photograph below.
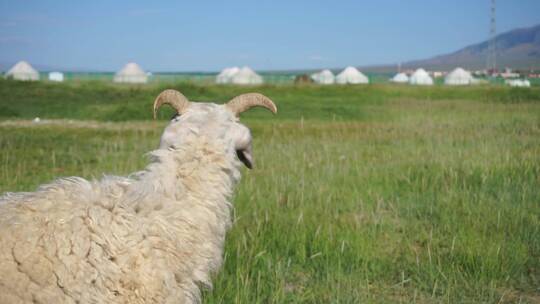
(492, 52)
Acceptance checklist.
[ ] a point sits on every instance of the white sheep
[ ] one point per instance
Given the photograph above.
(153, 237)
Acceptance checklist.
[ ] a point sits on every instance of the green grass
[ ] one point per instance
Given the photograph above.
(93, 100)
(380, 194)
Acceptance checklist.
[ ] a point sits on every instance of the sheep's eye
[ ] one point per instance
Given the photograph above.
(174, 116)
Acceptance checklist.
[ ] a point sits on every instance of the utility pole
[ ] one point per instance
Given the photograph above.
(492, 49)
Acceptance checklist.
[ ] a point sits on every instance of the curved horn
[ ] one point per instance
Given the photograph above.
(244, 102)
(173, 98)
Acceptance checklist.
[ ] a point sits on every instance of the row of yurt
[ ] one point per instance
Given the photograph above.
(458, 76)
(130, 73)
(349, 75)
(237, 75)
(22, 70)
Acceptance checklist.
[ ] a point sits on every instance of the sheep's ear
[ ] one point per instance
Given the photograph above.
(245, 157)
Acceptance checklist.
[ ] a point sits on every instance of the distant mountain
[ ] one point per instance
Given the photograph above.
(518, 49)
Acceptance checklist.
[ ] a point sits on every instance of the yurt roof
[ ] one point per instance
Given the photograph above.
(131, 69)
(324, 73)
(400, 77)
(351, 74)
(420, 73)
(245, 71)
(350, 71)
(459, 72)
(22, 67)
(229, 71)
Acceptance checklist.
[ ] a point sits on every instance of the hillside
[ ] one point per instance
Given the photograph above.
(518, 49)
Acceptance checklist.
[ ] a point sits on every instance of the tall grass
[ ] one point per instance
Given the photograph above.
(379, 194)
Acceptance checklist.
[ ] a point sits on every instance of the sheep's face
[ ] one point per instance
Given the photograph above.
(215, 122)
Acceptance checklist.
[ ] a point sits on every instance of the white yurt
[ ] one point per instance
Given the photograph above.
(518, 83)
(400, 78)
(226, 75)
(22, 71)
(458, 76)
(131, 73)
(246, 76)
(56, 76)
(323, 77)
(420, 77)
(351, 75)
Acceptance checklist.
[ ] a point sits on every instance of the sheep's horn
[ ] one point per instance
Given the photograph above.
(173, 98)
(244, 102)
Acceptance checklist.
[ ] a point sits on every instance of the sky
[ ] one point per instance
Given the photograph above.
(266, 35)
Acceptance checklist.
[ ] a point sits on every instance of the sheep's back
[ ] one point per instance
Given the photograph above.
(75, 240)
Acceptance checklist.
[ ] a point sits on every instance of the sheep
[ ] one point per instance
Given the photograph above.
(155, 236)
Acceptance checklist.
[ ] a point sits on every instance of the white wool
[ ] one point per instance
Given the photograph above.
(153, 237)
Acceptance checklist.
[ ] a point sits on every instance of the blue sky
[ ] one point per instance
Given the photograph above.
(267, 35)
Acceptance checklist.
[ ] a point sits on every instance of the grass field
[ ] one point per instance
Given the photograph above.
(360, 194)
